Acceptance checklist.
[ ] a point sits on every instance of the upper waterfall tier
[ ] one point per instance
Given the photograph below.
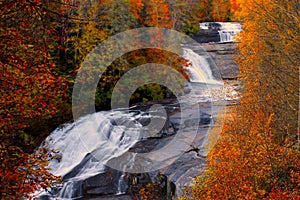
(226, 31)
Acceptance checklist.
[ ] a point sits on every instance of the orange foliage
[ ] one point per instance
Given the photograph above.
(205, 9)
(156, 13)
(136, 7)
(235, 6)
(221, 10)
(247, 164)
(29, 86)
(30, 90)
(257, 156)
(22, 174)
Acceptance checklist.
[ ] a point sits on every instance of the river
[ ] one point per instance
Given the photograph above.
(106, 154)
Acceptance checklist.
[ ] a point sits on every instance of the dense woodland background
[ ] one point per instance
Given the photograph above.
(43, 43)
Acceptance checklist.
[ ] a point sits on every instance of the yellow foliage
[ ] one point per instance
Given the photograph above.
(257, 156)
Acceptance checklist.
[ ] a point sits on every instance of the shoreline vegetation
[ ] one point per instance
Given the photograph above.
(43, 44)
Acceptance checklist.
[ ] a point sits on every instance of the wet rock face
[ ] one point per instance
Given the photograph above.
(192, 160)
(175, 177)
(214, 32)
(102, 184)
(157, 184)
(214, 26)
(223, 55)
(207, 35)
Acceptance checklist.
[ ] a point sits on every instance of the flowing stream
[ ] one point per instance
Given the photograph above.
(92, 134)
(98, 134)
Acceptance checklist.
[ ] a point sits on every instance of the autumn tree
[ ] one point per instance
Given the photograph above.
(29, 85)
(269, 61)
(221, 10)
(30, 91)
(95, 21)
(92, 22)
(205, 12)
(257, 156)
(157, 13)
(217, 10)
(185, 15)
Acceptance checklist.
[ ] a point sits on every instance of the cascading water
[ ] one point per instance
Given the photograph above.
(226, 36)
(201, 77)
(227, 30)
(98, 134)
(90, 135)
(199, 69)
(122, 185)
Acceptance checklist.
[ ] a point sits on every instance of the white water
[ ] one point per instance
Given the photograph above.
(84, 136)
(199, 70)
(226, 36)
(122, 185)
(91, 135)
(97, 134)
(227, 31)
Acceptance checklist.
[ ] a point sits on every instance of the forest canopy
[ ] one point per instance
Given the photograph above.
(257, 156)
(43, 44)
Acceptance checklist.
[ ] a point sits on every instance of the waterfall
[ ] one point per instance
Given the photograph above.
(91, 135)
(99, 134)
(227, 30)
(122, 185)
(226, 36)
(199, 70)
(95, 134)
